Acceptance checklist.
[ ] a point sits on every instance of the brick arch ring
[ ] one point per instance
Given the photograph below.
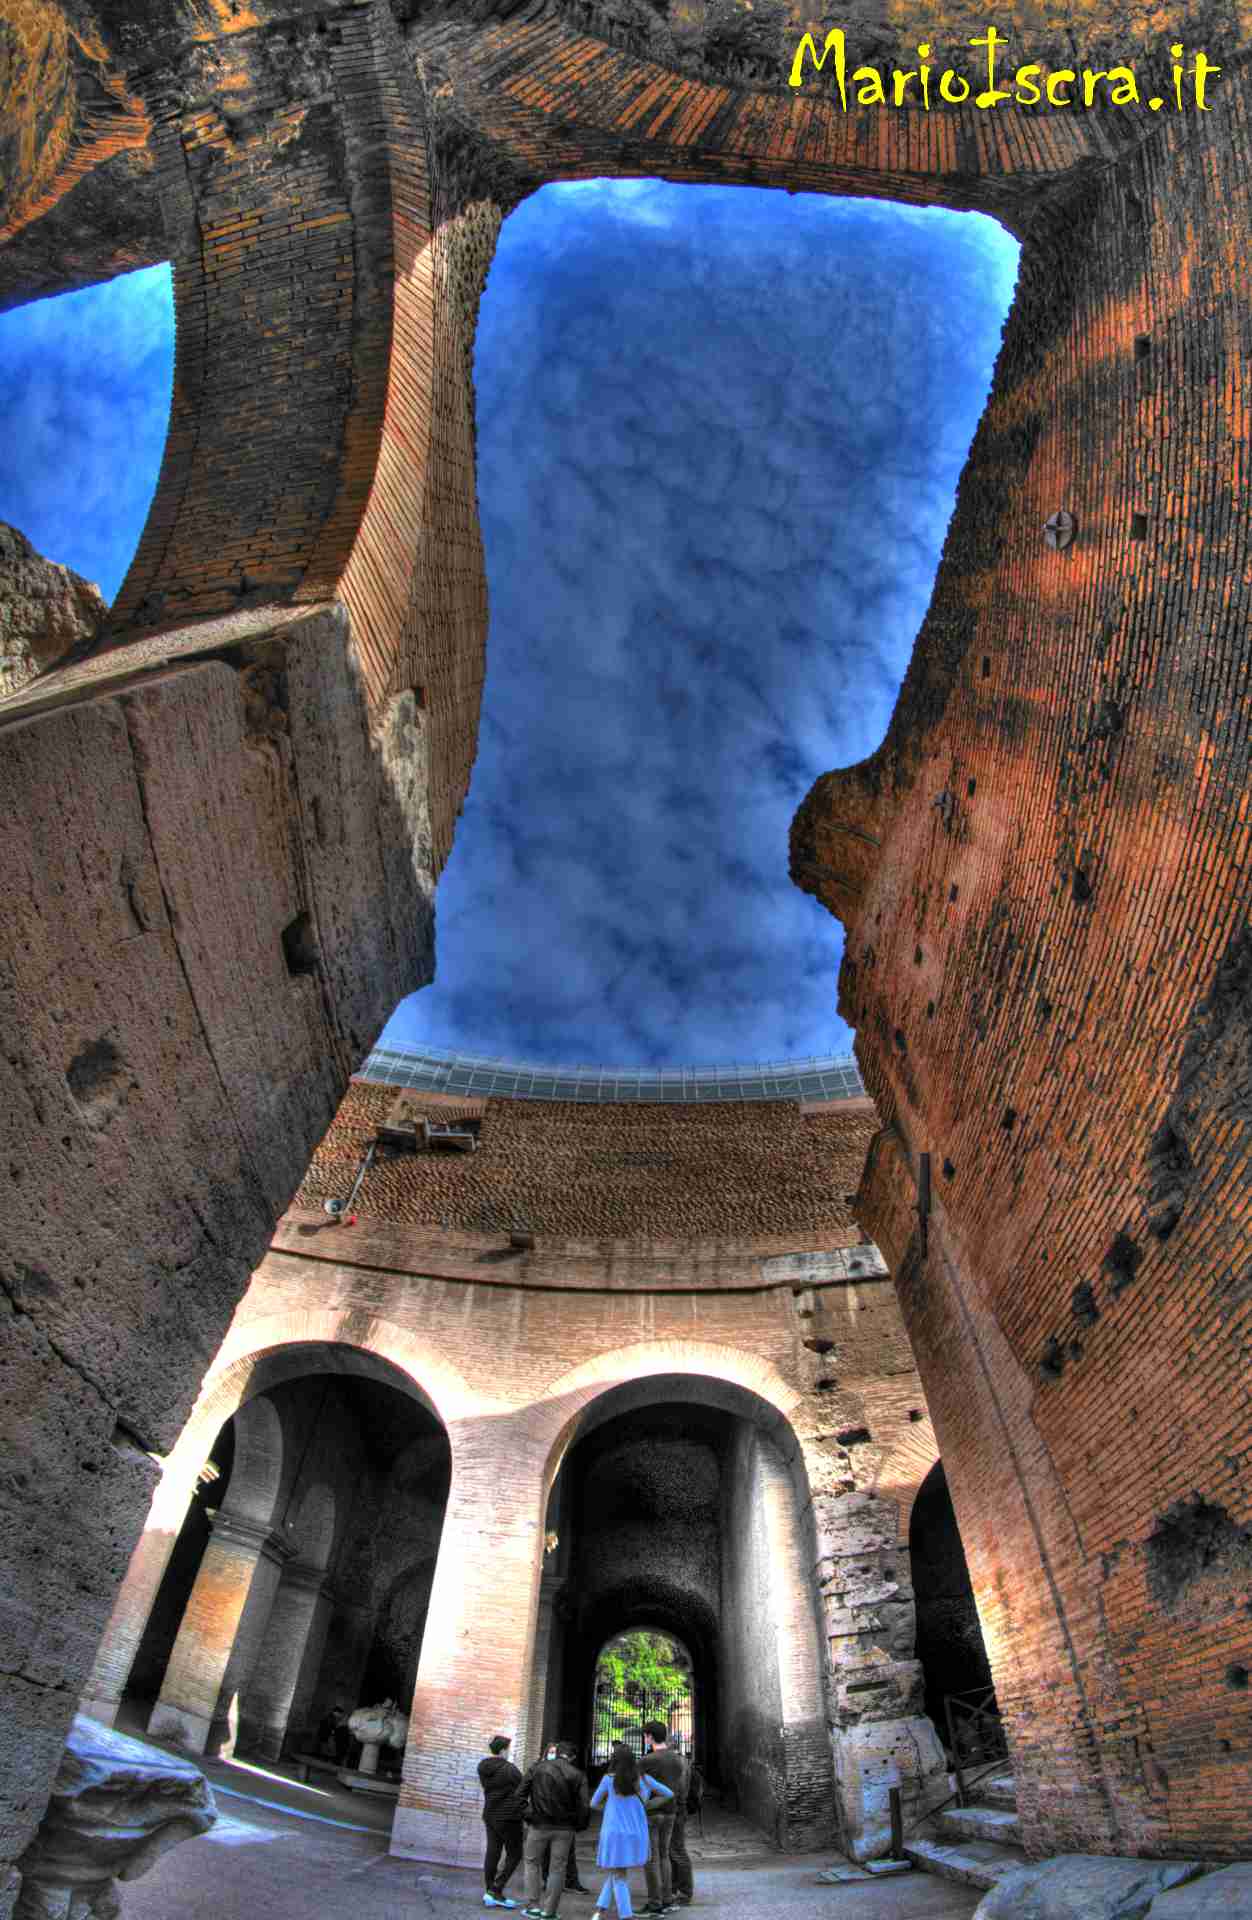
(357, 1342)
(730, 1377)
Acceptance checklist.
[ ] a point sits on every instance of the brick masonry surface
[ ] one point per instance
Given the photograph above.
(1046, 877)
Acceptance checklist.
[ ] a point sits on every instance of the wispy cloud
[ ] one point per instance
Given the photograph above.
(719, 437)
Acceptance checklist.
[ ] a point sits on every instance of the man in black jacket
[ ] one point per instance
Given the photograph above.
(502, 1817)
(556, 1805)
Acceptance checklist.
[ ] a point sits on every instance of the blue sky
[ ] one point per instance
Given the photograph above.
(720, 431)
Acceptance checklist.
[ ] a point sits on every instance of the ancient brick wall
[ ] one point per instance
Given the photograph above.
(736, 1179)
(1045, 877)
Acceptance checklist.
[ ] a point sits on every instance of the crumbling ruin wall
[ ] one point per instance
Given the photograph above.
(45, 609)
(1044, 878)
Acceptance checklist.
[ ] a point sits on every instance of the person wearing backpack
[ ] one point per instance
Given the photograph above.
(624, 1837)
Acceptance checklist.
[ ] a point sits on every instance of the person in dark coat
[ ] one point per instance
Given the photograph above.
(333, 1736)
(502, 1817)
(556, 1806)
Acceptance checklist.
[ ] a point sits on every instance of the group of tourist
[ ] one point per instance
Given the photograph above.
(534, 1817)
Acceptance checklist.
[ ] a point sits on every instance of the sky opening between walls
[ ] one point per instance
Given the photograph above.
(719, 436)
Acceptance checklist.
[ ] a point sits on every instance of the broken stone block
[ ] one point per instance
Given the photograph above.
(871, 1759)
(116, 1807)
(1224, 1895)
(1083, 1886)
(45, 609)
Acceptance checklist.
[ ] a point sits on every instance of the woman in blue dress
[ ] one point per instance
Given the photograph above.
(624, 1835)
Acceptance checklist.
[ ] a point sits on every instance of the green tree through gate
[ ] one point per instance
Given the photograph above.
(641, 1675)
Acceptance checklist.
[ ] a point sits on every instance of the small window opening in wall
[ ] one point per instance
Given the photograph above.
(915, 1413)
(1143, 345)
(986, 666)
(449, 1137)
(1138, 526)
(300, 946)
(419, 696)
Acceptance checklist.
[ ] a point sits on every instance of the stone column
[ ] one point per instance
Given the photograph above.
(285, 1673)
(474, 1676)
(882, 1737)
(116, 1655)
(220, 1637)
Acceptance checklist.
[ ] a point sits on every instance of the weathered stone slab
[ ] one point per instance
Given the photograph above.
(1083, 1886)
(1224, 1895)
(116, 1807)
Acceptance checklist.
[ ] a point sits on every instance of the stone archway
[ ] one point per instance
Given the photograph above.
(264, 1678)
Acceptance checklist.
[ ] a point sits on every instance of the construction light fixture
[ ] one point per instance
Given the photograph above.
(341, 1210)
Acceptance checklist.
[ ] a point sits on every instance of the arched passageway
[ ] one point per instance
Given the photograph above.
(676, 1509)
(949, 1636)
(300, 1576)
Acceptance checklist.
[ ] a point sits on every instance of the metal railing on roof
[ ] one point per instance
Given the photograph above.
(825, 1077)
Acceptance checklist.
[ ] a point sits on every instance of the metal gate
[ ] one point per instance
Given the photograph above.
(622, 1715)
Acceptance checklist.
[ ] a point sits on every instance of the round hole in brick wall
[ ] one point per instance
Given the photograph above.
(820, 1346)
(915, 1413)
(1237, 1677)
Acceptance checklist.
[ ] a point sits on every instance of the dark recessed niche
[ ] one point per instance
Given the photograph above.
(948, 1170)
(915, 1413)
(953, 892)
(971, 789)
(300, 946)
(930, 1009)
(1143, 345)
(1010, 1119)
(986, 666)
(900, 1040)
(917, 956)
(1138, 526)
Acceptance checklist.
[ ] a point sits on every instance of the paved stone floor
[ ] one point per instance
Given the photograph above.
(320, 1853)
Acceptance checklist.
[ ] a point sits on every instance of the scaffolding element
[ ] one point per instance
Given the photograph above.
(833, 1077)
